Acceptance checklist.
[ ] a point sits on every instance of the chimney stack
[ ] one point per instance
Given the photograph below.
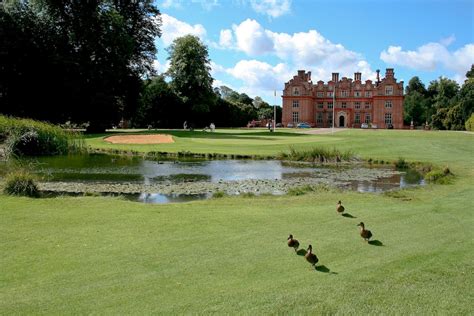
(357, 76)
(335, 77)
(378, 75)
(309, 75)
(389, 73)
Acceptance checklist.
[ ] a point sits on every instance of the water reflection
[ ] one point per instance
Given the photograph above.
(115, 171)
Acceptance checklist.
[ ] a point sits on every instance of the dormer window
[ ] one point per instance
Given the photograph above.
(388, 90)
(296, 91)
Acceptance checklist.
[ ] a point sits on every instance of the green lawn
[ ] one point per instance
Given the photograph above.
(109, 256)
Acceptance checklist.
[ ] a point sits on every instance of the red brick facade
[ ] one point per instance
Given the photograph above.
(379, 103)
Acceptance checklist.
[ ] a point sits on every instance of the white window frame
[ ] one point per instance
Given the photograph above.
(296, 103)
(357, 94)
(357, 105)
(320, 94)
(368, 94)
(296, 91)
(296, 117)
(388, 104)
(330, 105)
(389, 90)
(388, 118)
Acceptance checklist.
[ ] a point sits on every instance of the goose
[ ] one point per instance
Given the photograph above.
(339, 207)
(364, 233)
(310, 256)
(293, 243)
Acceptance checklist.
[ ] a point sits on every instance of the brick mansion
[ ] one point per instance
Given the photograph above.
(355, 102)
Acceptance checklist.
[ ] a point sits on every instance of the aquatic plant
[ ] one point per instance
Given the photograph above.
(317, 154)
(21, 183)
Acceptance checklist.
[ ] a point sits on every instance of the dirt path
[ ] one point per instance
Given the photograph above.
(140, 139)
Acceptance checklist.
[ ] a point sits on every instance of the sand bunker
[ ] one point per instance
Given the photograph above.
(140, 139)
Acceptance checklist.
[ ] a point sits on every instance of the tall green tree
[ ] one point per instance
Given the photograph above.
(91, 56)
(190, 76)
(159, 106)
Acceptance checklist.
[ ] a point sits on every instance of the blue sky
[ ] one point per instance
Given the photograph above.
(257, 45)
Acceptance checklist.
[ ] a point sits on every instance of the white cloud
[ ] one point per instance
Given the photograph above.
(173, 28)
(171, 4)
(272, 8)
(304, 50)
(207, 4)
(259, 77)
(252, 38)
(225, 38)
(430, 56)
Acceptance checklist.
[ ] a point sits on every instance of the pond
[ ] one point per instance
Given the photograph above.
(167, 181)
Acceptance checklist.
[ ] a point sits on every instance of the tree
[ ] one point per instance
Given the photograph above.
(416, 108)
(82, 59)
(159, 106)
(415, 85)
(190, 73)
(470, 73)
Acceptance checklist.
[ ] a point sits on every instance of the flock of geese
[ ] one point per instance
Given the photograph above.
(310, 256)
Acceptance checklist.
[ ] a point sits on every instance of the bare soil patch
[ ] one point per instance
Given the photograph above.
(140, 139)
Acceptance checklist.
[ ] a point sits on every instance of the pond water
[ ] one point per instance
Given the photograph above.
(177, 181)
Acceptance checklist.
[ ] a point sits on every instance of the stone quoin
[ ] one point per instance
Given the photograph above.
(355, 102)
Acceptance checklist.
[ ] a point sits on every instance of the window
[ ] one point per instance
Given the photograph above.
(330, 88)
(320, 105)
(388, 104)
(296, 103)
(388, 90)
(319, 118)
(357, 118)
(329, 105)
(368, 94)
(357, 94)
(367, 118)
(343, 105)
(330, 94)
(388, 118)
(296, 117)
(296, 91)
(344, 93)
(320, 94)
(367, 105)
(357, 105)
(330, 118)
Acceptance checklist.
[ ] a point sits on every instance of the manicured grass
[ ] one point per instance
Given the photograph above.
(432, 146)
(229, 255)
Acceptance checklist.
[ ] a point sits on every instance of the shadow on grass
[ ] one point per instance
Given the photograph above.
(301, 252)
(348, 215)
(375, 243)
(324, 269)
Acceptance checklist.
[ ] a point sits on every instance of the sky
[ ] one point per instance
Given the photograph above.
(255, 46)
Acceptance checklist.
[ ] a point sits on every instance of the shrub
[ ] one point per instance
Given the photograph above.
(470, 123)
(439, 176)
(218, 194)
(317, 154)
(31, 138)
(401, 164)
(21, 183)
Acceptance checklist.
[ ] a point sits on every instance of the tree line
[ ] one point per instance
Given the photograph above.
(189, 95)
(92, 61)
(444, 105)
